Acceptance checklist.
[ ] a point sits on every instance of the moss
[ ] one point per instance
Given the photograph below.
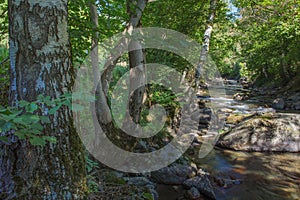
(236, 118)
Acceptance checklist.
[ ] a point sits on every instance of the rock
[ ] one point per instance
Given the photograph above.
(202, 184)
(204, 119)
(226, 110)
(206, 111)
(237, 118)
(143, 182)
(193, 194)
(139, 181)
(297, 106)
(240, 96)
(174, 174)
(279, 132)
(195, 116)
(278, 104)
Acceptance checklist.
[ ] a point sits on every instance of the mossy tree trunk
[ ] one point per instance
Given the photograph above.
(41, 64)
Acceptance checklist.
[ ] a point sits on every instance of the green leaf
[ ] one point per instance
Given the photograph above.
(8, 117)
(37, 126)
(51, 139)
(37, 141)
(23, 103)
(5, 127)
(31, 107)
(53, 110)
(2, 109)
(21, 134)
(45, 119)
(147, 196)
(3, 138)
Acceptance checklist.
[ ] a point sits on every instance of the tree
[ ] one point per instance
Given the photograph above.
(137, 60)
(206, 38)
(269, 35)
(41, 65)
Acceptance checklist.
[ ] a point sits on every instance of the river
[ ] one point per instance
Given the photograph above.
(247, 175)
(252, 175)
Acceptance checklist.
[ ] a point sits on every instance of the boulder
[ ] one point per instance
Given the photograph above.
(202, 183)
(143, 182)
(280, 132)
(193, 194)
(278, 104)
(174, 174)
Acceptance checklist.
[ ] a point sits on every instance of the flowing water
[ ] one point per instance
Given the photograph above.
(252, 175)
(247, 175)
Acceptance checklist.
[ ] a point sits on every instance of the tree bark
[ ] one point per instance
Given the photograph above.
(40, 63)
(136, 61)
(206, 40)
(102, 109)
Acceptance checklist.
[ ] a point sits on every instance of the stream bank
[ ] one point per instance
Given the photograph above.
(245, 174)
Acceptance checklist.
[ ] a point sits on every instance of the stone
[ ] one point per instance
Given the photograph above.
(226, 110)
(143, 182)
(193, 194)
(174, 174)
(204, 119)
(202, 183)
(278, 133)
(278, 104)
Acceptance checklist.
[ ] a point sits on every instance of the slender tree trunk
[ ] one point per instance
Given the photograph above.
(136, 61)
(206, 39)
(41, 64)
(135, 13)
(285, 75)
(102, 109)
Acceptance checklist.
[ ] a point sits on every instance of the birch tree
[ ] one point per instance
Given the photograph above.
(40, 64)
(206, 39)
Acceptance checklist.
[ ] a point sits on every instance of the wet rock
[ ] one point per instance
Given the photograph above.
(297, 106)
(193, 194)
(294, 101)
(204, 119)
(202, 183)
(279, 132)
(174, 174)
(226, 110)
(240, 96)
(207, 111)
(278, 104)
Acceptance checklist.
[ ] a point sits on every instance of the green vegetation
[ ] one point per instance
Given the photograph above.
(255, 39)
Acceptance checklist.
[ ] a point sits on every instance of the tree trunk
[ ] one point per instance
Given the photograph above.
(136, 61)
(206, 39)
(102, 109)
(41, 64)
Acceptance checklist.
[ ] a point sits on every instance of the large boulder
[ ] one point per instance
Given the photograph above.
(174, 174)
(278, 133)
(202, 183)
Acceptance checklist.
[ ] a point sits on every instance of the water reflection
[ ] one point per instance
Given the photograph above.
(254, 175)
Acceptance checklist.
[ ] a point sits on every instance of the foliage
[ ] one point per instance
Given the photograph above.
(27, 121)
(112, 20)
(3, 22)
(147, 196)
(4, 75)
(269, 35)
(24, 123)
(90, 166)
